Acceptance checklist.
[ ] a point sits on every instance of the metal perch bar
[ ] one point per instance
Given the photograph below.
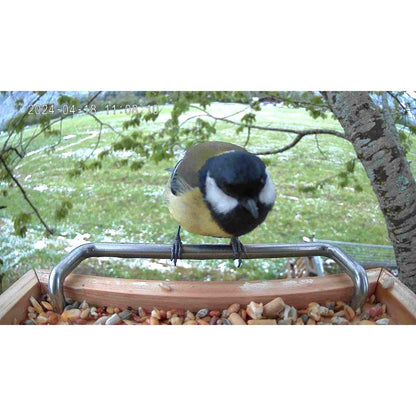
(205, 252)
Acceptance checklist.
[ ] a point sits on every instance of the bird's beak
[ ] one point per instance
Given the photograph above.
(251, 206)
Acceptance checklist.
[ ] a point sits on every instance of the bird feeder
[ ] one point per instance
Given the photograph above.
(354, 286)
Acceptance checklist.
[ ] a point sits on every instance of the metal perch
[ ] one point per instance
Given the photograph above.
(205, 252)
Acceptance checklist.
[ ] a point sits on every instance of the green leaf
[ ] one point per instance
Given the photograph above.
(136, 165)
(307, 188)
(412, 128)
(316, 100)
(103, 154)
(343, 181)
(96, 164)
(16, 124)
(121, 162)
(255, 105)
(73, 173)
(76, 170)
(63, 209)
(350, 165)
(126, 143)
(248, 118)
(70, 101)
(404, 140)
(18, 104)
(134, 121)
(358, 187)
(151, 115)
(20, 222)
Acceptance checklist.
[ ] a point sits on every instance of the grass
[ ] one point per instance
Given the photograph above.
(120, 205)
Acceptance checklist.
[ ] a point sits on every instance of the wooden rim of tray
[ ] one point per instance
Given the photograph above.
(194, 295)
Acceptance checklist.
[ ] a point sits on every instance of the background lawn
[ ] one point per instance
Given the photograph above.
(120, 205)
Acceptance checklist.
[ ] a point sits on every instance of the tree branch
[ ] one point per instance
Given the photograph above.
(278, 129)
(300, 103)
(248, 137)
(405, 110)
(209, 115)
(24, 115)
(102, 123)
(319, 147)
(14, 149)
(60, 120)
(10, 173)
(298, 138)
(96, 144)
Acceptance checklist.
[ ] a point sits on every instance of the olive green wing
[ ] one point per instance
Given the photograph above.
(186, 172)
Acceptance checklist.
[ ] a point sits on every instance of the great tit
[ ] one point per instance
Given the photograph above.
(221, 190)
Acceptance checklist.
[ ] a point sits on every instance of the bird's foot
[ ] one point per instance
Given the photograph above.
(238, 249)
(176, 250)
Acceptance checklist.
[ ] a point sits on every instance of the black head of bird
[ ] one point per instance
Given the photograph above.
(221, 190)
(238, 191)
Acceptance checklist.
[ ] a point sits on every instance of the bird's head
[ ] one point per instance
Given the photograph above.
(237, 179)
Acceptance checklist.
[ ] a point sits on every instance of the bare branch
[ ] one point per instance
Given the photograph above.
(24, 115)
(248, 137)
(405, 110)
(22, 190)
(237, 112)
(34, 136)
(278, 129)
(93, 98)
(292, 101)
(96, 144)
(335, 175)
(209, 115)
(299, 137)
(14, 149)
(102, 123)
(319, 147)
(190, 118)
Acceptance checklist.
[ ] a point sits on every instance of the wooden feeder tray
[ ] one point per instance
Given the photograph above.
(107, 291)
(353, 287)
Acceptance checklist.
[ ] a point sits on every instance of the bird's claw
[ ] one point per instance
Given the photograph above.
(238, 249)
(176, 250)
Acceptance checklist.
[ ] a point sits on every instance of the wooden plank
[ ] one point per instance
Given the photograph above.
(400, 301)
(15, 300)
(105, 291)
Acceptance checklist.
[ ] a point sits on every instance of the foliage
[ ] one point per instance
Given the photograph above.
(20, 222)
(63, 209)
(82, 165)
(343, 178)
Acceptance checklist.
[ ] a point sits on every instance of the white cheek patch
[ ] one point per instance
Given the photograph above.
(267, 195)
(219, 200)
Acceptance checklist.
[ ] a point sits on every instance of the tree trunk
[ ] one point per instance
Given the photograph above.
(378, 147)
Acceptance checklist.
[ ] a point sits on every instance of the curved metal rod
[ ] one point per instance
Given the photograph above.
(205, 252)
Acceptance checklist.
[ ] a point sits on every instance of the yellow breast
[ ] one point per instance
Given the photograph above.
(191, 213)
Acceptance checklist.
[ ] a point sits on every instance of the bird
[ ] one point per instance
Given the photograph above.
(219, 189)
